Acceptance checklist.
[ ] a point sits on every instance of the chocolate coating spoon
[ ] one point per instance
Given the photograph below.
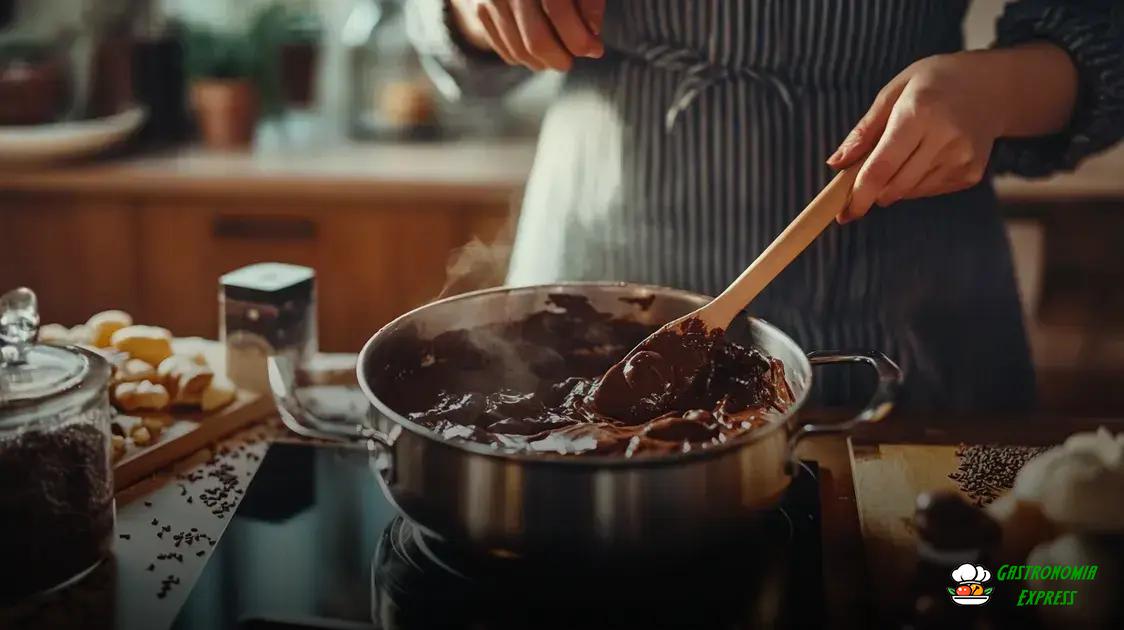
(652, 375)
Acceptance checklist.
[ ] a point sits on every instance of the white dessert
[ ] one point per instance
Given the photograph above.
(1079, 485)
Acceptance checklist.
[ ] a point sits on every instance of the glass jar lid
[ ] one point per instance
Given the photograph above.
(30, 372)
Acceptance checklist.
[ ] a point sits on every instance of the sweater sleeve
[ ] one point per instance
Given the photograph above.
(1092, 32)
(458, 69)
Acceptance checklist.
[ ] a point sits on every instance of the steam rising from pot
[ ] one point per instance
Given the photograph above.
(477, 265)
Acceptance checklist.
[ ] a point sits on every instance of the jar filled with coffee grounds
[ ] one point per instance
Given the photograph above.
(56, 485)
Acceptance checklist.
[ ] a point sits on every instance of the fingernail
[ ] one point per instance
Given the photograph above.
(597, 52)
(834, 158)
(847, 144)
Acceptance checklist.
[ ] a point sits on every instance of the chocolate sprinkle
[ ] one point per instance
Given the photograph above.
(56, 498)
(986, 471)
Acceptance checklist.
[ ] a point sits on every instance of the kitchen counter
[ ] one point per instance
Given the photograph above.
(146, 554)
(476, 169)
(123, 593)
(148, 508)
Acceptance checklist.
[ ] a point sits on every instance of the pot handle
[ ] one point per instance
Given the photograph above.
(880, 404)
(305, 423)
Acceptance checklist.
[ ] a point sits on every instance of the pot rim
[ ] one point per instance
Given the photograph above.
(580, 461)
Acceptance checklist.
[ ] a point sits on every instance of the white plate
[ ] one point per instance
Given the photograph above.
(970, 600)
(66, 140)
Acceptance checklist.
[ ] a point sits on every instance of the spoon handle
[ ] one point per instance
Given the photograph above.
(795, 238)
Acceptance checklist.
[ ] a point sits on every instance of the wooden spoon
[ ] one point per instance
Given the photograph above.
(679, 349)
(795, 238)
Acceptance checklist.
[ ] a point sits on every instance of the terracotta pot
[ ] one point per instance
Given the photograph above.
(226, 110)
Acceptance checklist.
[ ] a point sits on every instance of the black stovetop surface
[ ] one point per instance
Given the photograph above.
(314, 544)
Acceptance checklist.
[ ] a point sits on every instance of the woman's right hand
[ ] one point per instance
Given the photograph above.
(539, 34)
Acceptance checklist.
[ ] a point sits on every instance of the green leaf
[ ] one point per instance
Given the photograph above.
(251, 54)
(217, 55)
(987, 591)
(951, 591)
(266, 35)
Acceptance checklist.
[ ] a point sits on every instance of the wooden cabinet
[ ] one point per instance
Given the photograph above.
(75, 254)
(189, 246)
(161, 258)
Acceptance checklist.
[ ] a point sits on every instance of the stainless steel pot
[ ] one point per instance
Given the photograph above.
(510, 504)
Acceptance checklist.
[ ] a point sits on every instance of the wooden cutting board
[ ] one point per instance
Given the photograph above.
(191, 431)
(888, 478)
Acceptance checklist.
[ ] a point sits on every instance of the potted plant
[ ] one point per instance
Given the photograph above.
(233, 78)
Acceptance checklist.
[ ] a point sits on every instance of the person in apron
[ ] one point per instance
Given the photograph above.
(688, 134)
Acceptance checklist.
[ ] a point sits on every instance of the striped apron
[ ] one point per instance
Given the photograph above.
(679, 156)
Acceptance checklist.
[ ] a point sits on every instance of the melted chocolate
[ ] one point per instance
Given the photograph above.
(535, 385)
(665, 373)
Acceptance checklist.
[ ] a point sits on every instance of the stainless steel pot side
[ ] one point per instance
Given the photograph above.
(510, 504)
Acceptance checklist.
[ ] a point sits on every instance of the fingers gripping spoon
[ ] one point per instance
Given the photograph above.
(658, 370)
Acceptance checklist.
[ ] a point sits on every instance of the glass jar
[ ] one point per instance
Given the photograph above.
(391, 97)
(56, 484)
(300, 54)
(266, 309)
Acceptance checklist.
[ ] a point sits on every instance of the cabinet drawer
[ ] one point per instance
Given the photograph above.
(186, 249)
(372, 263)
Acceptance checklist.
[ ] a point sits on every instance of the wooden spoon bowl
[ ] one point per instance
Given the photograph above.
(665, 364)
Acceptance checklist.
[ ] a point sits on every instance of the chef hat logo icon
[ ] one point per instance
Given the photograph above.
(970, 590)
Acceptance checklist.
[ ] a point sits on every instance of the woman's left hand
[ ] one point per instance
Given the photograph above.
(931, 129)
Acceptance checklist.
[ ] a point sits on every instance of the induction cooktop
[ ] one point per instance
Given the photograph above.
(315, 544)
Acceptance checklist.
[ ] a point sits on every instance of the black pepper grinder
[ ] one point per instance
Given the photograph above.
(158, 75)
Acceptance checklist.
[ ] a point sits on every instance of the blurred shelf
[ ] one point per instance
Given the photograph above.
(482, 170)
(1097, 179)
(474, 171)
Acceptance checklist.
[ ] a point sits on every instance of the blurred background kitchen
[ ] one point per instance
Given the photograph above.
(149, 146)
